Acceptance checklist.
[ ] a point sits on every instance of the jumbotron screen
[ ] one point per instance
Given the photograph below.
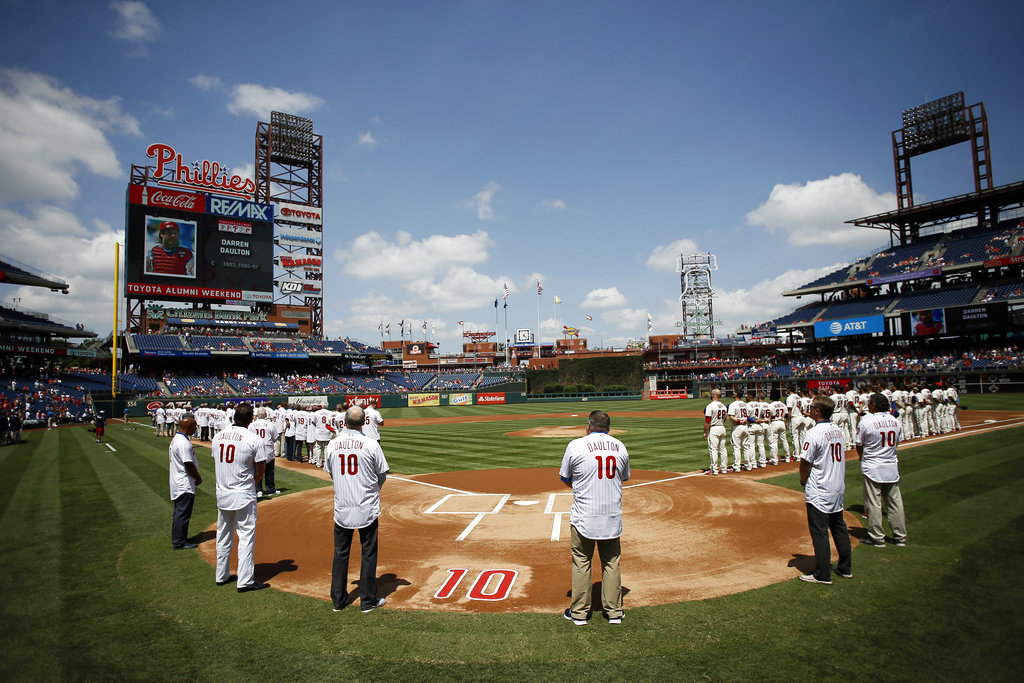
(183, 246)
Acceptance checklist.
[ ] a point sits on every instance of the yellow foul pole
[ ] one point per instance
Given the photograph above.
(113, 336)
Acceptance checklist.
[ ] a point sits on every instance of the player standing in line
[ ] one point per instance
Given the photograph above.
(301, 425)
(921, 411)
(877, 437)
(853, 407)
(184, 478)
(595, 466)
(322, 432)
(760, 428)
(796, 418)
(840, 417)
(280, 421)
(374, 421)
(953, 396)
(358, 470)
(311, 451)
(777, 431)
(823, 476)
(714, 433)
(238, 463)
(161, 421)
(202, 416)
(266, 430)
(741, 441)
(289, 433)
(806, 396)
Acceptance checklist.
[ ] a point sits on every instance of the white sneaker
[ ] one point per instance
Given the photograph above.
(380, 603)
(810, 578)
(259, 494)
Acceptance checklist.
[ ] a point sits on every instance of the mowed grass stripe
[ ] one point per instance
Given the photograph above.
(30, 531)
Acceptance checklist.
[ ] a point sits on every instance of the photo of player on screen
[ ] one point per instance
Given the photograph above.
(170, 247)
(927, 322)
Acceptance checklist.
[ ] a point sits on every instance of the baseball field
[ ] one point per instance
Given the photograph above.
(92, 590)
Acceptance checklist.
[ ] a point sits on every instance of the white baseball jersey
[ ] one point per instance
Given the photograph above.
(793, 403)
(825, 448)
(235, 452)
(716, 411)
(321, 419)
(839, 400)
(778, 410)
(357, 467)
(596, 465)
(301, 423)
(202, 416)
(372, 422)
(289, 416)
(161, 416)
(738, 410)
(878, 434)
(180, 452)
(267, 432)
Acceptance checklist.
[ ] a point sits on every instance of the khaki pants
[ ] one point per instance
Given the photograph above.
(611, 579)
(874, 495)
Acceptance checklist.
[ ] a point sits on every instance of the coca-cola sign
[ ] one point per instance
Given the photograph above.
(210, 176)
(168, 199)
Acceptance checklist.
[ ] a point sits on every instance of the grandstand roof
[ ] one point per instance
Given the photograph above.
(14, 273)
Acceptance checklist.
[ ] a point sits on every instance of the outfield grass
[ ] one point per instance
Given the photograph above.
(92, 590)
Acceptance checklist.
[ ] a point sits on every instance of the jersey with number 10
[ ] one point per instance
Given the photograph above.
(597, 464)
(355, 463)
(235, 451)
(825, 448)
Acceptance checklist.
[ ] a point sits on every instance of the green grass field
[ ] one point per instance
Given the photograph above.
(91, 589)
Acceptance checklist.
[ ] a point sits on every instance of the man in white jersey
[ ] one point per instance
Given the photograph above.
(758, 410)
(823, 476)
(161, 421)
(184, 478)
(714, 432)
(301, 427)
(877, 437)
(777, 431)
(595, 467)
(742, 443)
(238, 462)
(266, 430)
(289, 432)
(796, 418)
(280, 419)
(840, 417)
(358, 470)
(853, 407)
(202, 415)
(953, 397)
(321, 432)
(374, 421)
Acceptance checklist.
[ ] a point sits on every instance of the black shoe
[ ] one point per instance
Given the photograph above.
(187, 546)
(867, 540)
(253, 587)
(233, 577)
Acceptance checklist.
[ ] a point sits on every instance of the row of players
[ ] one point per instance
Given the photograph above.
(293, 425)
(921, 411)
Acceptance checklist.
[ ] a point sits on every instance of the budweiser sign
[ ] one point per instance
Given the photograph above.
(303, 262)
(172, 171)
(299, 213)
(167, 199)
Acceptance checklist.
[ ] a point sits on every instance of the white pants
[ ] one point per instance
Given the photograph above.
(244, 522)
(742, 441)
(311, 453)
(717, 448)
(320, 449)
(777, 433)
(797, 429)
(757, 432)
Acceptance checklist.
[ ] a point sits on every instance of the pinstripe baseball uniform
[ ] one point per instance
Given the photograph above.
(235, 452)
(714, 433)
(824, 449)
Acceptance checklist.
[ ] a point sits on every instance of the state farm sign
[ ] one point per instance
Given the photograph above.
(298, 213)
(309, 263)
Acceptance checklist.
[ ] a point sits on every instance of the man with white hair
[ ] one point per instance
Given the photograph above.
(266, 430)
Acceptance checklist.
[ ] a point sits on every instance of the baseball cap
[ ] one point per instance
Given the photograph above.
(169, 225)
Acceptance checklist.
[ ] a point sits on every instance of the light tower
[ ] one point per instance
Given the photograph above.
(697, 295)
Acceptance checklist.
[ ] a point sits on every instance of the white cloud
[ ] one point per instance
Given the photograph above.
(609, 297)
(371, 256)
(481, 201)
(204, 82)
(814, 212)
(631, 320)
(135, 24)
(259, 101)
(367, 140)
(554, 204)
(763, 301)
(664, 257)
(48, 132)
(461, 288)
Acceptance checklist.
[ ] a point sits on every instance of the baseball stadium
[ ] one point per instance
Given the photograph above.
(474, 526)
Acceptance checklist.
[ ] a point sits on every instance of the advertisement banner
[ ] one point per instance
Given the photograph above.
(900, 277)
(176, 354)
(350, 399)
(310, 263)
(418, 400)
(460, 400)
(307, 401)
(848, 326)
(307, 288)
(830, 385)
(299, 237)
(239, 208)
(489, 398)
(299, 213)
(168, 199)
(278, 354)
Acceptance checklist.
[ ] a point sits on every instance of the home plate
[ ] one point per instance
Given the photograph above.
(525, 502)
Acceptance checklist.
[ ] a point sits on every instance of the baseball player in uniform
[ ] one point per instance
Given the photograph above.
(714, 433)
(266, 430)
(301, 425)
(742, 444)
(184, 478)
(878, 434)
(853, 407)
(758, 410)
(202, 415)
(280, 419)
(374, 421)
(161, 421)
(796, 419)
(921, 398)
(841, 417)
(595, 466)
(238, 462)
(311, 452)
(322, 432)
(777, 431)
(358, 470)
(953, 397)
(823, 476)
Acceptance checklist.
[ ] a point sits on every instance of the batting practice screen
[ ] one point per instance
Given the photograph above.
(182, 246)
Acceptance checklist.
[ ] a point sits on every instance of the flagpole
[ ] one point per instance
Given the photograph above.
(508, 358)
(539, 291)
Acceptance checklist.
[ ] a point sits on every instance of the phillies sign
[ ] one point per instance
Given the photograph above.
(210, 176)
(299, 213)
(313, 263)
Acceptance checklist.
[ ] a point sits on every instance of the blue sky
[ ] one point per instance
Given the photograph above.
(472, 144)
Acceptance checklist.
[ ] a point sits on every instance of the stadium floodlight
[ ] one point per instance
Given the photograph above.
(697, 295)
(936, 124)
(292, 136)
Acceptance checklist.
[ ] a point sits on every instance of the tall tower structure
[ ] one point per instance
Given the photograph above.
(697, 295)
(289, 171)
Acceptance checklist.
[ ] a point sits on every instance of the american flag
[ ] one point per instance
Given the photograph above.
(539, 288)
(590, 317)
(504, 291)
